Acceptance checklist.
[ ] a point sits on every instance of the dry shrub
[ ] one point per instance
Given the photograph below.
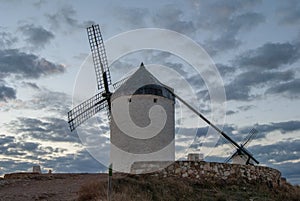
(92, 191)
(148, 188)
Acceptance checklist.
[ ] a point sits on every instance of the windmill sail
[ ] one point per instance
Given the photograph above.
(90, 107)
(253, 132)
(99, 56)
(86, 110)
(239, 148)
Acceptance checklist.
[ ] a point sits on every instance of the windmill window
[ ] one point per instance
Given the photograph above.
(155, 90)
(155, 100)
(129, 100)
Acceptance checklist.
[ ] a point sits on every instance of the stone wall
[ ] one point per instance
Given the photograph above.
(222, 173)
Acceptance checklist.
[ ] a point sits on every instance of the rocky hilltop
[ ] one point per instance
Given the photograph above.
(184, 180)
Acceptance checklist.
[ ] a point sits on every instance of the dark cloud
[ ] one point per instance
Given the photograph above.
(289, 13)
(245, 21)
(246, 107)
(264, 129)
(164, 14)
(289, 170)
(225, 70)
(230, 18)
(47, 157)
(10, 165)
(280, 156)
(284, 127)
(228, 38)
(279, 152)
(6, 40)
(5, 139)
(31, 85)
(10, 146)
(13, 61)
(132, 17)
(50, 101)
(232, 13)
(65, 18)
(238, 92)
(45, 129)
(241, 88)
(289, 89)
(36, 36)
(269, 56)
(224, 42)
(76, 163)
(230, 112)
(263, 69)
(39, 3)
(7, 93)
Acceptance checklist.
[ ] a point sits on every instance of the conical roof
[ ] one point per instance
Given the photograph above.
(141, 78)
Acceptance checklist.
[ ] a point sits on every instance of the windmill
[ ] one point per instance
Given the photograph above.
(131, 101)
(238, 157)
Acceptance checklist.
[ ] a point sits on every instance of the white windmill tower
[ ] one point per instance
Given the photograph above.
(142, 121)
(142, 125)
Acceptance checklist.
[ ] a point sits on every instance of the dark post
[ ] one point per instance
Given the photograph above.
(109, 182)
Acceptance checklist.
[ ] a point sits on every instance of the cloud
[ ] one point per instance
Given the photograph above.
(164, 14)
(262, 69)
(289, 14)
(225, 70)
(48, 157)
(230, 28)
(283, 155)
(239, 134)
(6, 40)
(65, 18)
(5, 139)
(232, 12)
(13, 61)
(269, 56)
(245, 21)
(289, 89)
(264, 129)
(39, 3)
(230, 112)
(36, 36)
(7, 93)
(132, 17)
(44, 128)
(243, 86)
(31, 85)
(224, 42)
(78, 162)
(50, 101)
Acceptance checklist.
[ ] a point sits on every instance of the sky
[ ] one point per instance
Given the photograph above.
(254, 45)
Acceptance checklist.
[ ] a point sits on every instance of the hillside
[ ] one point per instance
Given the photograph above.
(83, 187)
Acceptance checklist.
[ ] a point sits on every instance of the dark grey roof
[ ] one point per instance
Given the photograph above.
(142, 77)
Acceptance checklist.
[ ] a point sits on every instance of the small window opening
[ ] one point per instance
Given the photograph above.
(129, 100)
(155, 100)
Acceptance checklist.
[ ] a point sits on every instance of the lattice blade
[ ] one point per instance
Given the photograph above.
(99, 55)
(230, 157)
(85, 110)
(252, 134)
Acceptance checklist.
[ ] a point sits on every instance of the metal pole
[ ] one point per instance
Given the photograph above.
(109, 183)
(216, 128)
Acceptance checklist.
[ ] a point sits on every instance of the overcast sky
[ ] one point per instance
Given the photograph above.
(254, 44)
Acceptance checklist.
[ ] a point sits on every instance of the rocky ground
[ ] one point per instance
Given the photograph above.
(26, 187)
(84, 187)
